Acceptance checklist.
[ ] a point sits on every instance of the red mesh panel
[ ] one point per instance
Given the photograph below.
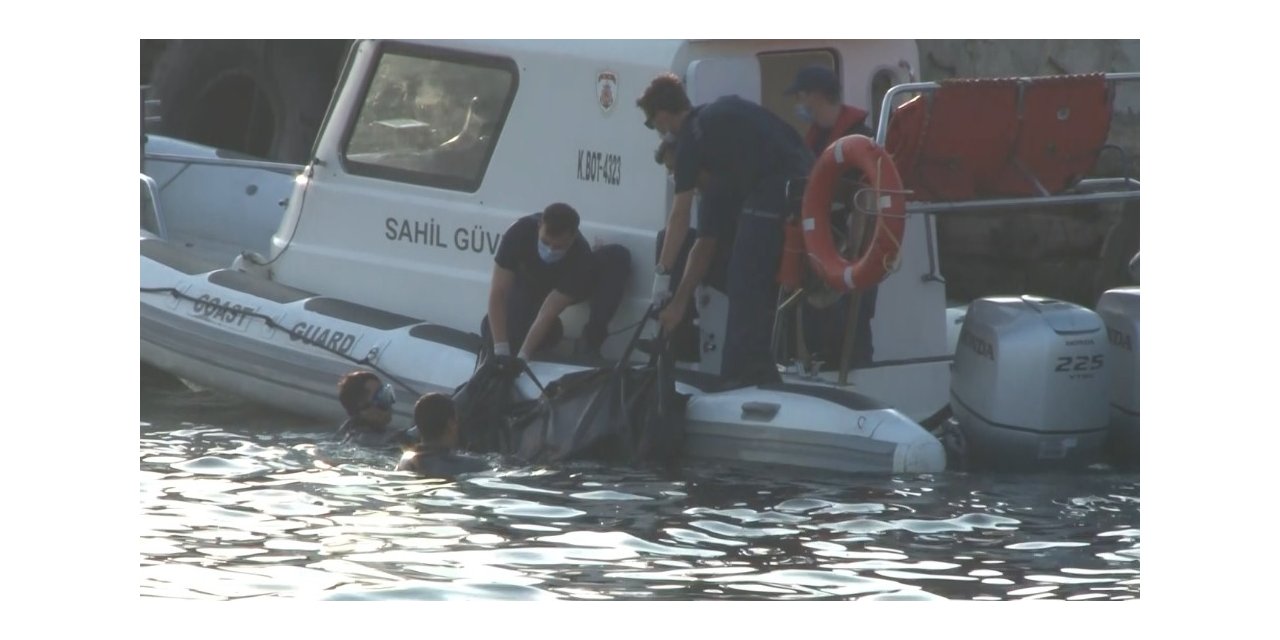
(1065, 120)
(979, 139)
(971, 130)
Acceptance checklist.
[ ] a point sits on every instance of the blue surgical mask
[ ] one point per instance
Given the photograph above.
(549, 255)
(803, 113)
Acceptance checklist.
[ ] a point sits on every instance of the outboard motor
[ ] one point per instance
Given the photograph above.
(1119, 310)
(1029, 385)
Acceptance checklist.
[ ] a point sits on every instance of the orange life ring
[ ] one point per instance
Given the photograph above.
(877, 261)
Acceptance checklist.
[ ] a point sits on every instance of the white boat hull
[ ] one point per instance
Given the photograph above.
(233, 331)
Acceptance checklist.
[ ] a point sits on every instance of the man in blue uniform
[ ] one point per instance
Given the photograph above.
(749, 155)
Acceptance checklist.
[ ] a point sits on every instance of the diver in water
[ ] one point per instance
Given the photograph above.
(436, 455)
(368, 401)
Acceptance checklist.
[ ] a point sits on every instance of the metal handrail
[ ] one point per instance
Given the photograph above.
(886, 104)
(266, 165)
(1113, 188)
(995, 203)
(1117, 188)
(1108, 183)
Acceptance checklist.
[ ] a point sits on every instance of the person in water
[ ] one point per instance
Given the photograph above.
(368, 401)
(436, 455)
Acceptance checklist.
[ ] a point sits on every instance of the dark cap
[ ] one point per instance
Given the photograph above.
(820, 79)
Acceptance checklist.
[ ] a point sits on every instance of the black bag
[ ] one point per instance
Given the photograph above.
(623, 414)
(486, 405)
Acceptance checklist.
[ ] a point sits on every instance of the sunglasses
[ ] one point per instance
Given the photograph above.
(383, 398)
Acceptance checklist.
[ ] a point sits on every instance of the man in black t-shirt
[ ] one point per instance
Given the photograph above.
(543, 266)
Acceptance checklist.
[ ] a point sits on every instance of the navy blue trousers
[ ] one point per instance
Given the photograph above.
(753, 297)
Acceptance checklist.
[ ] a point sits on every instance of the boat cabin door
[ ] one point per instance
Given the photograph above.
(711, 78)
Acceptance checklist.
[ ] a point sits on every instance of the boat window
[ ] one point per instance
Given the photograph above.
(431, 116)
(778, 70)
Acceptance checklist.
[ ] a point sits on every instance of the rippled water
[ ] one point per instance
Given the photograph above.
(241, 502)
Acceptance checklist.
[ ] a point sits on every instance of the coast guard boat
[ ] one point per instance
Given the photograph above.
(271, 280)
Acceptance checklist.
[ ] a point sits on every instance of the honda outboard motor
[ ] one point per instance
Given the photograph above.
(1119, 310)
(1029, 385)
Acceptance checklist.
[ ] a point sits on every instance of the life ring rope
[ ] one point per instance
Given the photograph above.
(892, 260)
(883, 256)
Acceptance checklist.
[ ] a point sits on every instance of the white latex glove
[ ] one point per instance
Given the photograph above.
(501, 349)
(661, 289)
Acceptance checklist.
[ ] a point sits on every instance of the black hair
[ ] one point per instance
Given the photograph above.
(351, 391)
(431, 414)
(559, 219)
(664, 93)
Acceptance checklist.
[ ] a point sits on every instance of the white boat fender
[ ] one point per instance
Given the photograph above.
(270, 322)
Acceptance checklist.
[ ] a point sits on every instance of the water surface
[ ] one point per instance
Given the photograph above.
(238, 501)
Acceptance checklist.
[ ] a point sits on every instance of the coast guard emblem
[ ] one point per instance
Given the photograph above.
(607, 90)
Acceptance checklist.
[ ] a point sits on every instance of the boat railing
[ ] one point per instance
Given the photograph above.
(149, 117)
(284, 168)
(988, 168)
(994, 144)
(983, 145)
